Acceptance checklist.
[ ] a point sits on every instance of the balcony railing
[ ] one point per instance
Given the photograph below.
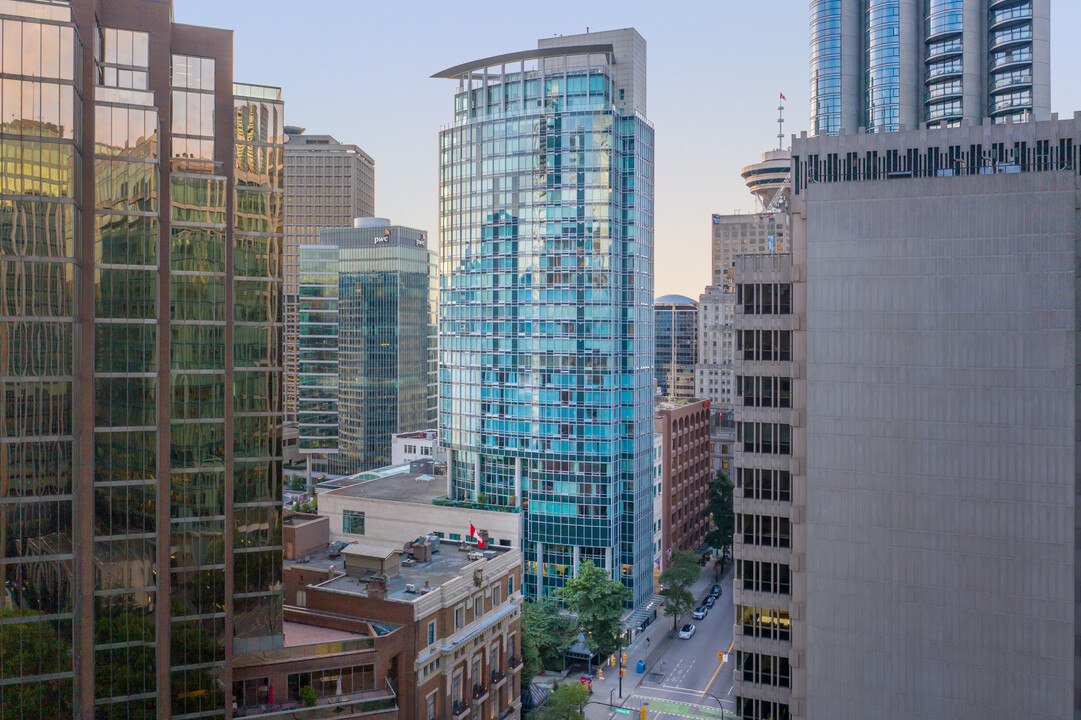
(498, 675)
(480, 691)
(460, 708)
(326, 707)
(514, 663)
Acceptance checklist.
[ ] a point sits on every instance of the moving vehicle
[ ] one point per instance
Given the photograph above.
(700, 612)
(686, 631)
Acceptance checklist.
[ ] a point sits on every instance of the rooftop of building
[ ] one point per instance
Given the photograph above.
(674, 299)
(671, 403)
(297, 634)
(419, 435)
(448, 560)
(419, 481)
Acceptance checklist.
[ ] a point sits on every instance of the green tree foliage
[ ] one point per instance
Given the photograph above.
(546, 633)
(308, 696)
(597, 600)
(684, 570)
(567, 702)
(34, 647)
(721, 511)
(679, 577)
(678, 602)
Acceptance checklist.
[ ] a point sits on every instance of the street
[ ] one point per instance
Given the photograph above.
(683, 678)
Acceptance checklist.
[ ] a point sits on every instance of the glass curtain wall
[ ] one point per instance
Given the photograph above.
(825, 67)
(257, 368)
(945, 62)
(883, 65)
(546, 311)
(39, 59)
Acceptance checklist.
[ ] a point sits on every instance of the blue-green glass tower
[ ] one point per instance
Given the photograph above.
(367, 342)
(546, 301)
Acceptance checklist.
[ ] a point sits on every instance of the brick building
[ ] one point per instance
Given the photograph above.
(684, 428)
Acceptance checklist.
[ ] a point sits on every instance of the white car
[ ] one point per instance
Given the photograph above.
(700, 612)
(686, 631)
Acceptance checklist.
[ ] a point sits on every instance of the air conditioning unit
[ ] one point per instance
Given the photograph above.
(408, 561)
(411, 588)
(475, 556)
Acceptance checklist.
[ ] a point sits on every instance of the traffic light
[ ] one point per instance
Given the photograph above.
(622, 672)
(600, 673)
(624, 658)
(720, 656)
(612, 661)
(642, 713)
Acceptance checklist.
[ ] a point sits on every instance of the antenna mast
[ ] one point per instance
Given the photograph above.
(780, 124)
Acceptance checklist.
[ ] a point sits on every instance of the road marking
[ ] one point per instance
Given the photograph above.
(719, 666)
(669, 707)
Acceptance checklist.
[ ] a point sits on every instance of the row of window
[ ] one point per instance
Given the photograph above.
(764, 345)
(765, 298)
(764, 530)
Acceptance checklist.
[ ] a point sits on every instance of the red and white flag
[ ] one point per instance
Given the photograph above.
(473, 533)
(783, 97)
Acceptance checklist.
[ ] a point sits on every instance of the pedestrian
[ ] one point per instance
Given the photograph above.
(647, 642)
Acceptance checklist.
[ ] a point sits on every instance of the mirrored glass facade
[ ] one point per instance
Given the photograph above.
(546, 304)
(140, 365)
(367, 342)
(676, 323)
(886, 65)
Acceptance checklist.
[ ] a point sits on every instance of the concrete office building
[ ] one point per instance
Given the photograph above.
(328, 184)
(713, 373)
(934, 468)
(744, 233)
(888, 65)
(368, 336)
(676, 323)
(683, 427)
(140, 412)
(766, 457)
(546, 302)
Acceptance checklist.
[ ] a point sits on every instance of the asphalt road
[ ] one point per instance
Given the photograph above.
(683, 678)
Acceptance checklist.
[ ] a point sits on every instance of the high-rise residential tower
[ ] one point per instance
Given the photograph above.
(892, 64)
(546, 302)
(328, 184)
(676, 323)
(367, 342)
(140, 411)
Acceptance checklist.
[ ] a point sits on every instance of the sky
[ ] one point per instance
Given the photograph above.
(360, 70)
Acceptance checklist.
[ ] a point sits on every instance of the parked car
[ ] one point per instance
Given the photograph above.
(708, 602)
(700, 612)
(715, 591)
(686, 631)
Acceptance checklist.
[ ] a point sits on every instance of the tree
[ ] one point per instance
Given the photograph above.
(566, 702)
(546, 632)
(678, 602)
(721, 511)
(683, 571)
(597, 600)
(678, 578)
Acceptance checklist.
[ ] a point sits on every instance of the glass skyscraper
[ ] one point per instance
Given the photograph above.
(140, 372)
(367, 342)
(676, 322)
(546, 301)
(888, 64)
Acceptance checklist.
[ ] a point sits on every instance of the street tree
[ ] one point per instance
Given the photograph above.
(567, 702)
(721, 511)
(546, 633)
(683, 571)
(597, 600)
(678, 601)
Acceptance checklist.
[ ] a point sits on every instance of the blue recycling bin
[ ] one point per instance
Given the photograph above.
(641, 667)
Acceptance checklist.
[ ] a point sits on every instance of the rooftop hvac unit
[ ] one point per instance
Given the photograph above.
(475, 556)
(410, 588)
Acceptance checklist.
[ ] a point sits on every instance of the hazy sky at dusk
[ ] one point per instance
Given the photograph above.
(360, 70)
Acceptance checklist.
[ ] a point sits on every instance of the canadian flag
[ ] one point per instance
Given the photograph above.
(473, 533)
(783, 97)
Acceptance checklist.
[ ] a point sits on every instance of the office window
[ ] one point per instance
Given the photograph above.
(478, 607)
(353, 522)
(510, 586)
(431, 633)
(431, 707)
(459, 618)
(496, 599)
